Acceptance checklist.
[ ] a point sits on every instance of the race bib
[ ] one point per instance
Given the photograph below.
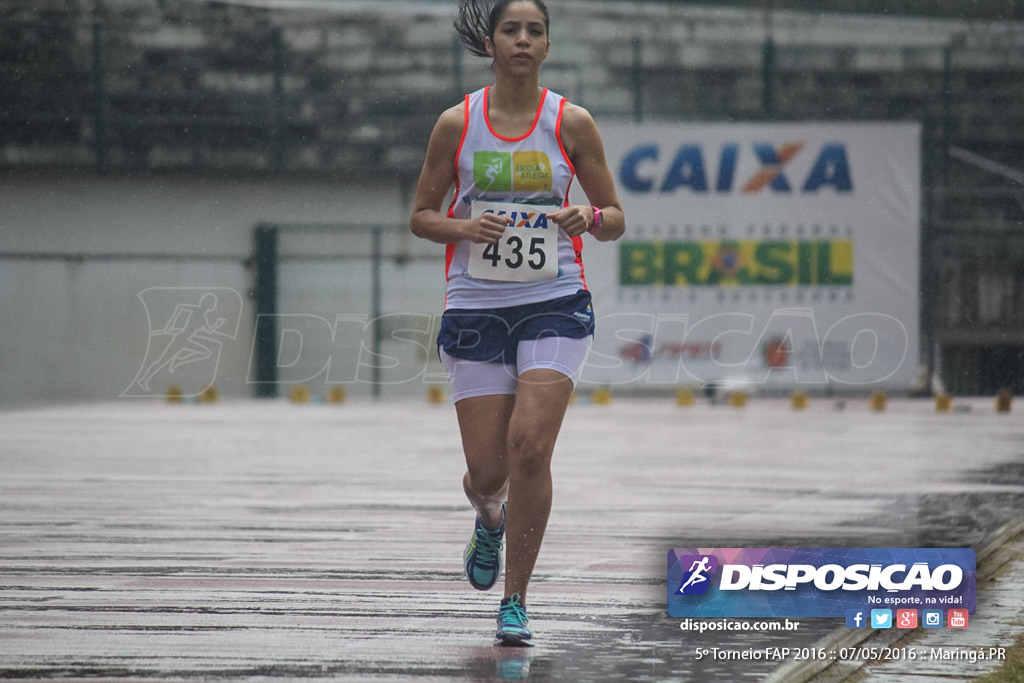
(527, 250)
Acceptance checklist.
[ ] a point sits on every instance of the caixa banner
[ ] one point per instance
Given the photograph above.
(818, 582)
(760, 254)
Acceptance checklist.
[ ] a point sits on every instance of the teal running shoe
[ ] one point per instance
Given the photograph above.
(513, 624)
(483, 554)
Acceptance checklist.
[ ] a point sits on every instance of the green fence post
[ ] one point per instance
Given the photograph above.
(265, 239)
(947, 110)
(768, 79)
(375, 305)
(457, 67)
(638, 81)
(277, 106)
(99, 101)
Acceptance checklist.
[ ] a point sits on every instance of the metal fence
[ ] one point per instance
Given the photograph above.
(232, 89)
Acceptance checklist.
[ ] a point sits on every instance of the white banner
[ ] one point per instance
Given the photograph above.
(782, 255)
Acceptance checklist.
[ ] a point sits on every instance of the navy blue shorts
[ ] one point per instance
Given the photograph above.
(493, 334)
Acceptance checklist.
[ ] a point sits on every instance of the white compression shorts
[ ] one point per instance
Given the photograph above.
(470, 378)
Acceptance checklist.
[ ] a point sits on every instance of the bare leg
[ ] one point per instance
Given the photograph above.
(483, 422)
(540, 404)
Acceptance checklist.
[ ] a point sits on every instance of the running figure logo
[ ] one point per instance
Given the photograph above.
(188, 328)
(696, 581)
(492, 171)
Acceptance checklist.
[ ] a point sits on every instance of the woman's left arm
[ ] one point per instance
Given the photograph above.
(583, 144)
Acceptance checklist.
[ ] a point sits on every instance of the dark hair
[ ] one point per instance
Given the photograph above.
(477, 21)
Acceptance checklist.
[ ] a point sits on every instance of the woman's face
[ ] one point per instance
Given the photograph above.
(520, 39)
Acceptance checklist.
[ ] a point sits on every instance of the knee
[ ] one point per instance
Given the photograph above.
(531, 455)
(487, 484)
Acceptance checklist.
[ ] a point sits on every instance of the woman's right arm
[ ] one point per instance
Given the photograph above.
(428, 221)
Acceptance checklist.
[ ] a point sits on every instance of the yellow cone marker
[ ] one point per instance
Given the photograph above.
(1004, 401)
(738, 399)
(878, 401)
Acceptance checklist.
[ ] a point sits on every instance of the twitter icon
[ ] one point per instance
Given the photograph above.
(881, 618)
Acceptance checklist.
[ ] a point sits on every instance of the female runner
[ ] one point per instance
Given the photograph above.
(518, 320)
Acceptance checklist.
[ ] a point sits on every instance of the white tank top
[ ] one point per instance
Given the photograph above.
(532, 169)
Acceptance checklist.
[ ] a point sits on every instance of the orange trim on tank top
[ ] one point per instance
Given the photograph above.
(536, 117)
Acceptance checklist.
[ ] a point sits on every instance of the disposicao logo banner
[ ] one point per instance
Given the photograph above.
(817, 582)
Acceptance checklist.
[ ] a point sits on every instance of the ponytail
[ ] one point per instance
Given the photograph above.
(478, 19)
(473, 25)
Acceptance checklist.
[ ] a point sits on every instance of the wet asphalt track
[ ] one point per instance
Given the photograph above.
(267, 541)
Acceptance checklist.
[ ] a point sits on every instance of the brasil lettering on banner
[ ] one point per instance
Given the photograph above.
(682, 263)
(817, 582)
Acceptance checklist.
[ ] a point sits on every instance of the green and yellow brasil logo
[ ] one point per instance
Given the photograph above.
(736, 262)
(528, 171)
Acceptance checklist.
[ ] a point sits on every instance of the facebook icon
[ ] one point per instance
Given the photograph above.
(855, 618)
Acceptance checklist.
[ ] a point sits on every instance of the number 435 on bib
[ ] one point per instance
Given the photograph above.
(527, 250)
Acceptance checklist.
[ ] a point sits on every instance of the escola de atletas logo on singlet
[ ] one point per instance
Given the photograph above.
(512, 171)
